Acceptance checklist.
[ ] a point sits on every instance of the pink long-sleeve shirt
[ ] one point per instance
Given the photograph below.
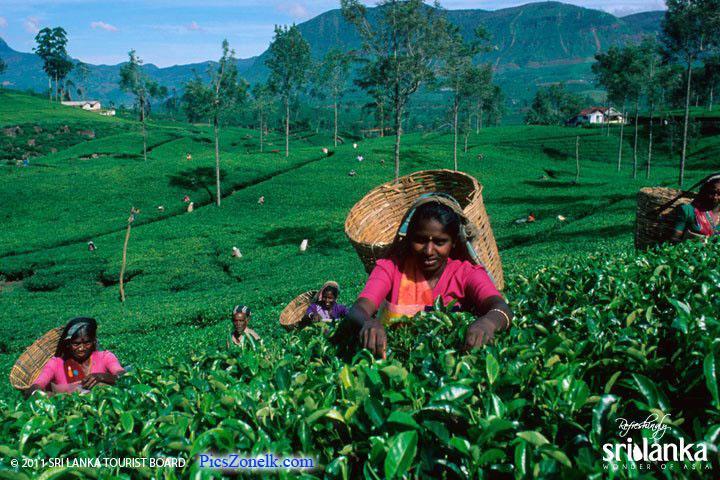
(101, 361)
(469, 284)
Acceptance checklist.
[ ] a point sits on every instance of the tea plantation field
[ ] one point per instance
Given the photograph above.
(601, 333)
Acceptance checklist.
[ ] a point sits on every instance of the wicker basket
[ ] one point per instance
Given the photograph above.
(292, 315)
(28, 366)
(373, 222)
(653, 226)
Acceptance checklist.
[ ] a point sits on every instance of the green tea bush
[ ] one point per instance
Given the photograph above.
(593, 341)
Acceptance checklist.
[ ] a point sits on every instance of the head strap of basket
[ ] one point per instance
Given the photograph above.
(329, 283)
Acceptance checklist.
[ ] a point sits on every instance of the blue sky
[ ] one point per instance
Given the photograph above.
(170, 32)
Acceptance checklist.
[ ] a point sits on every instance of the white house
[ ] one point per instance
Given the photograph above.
(92, 105)
(597, 116)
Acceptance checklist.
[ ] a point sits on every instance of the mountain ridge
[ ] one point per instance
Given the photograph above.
(535, 44)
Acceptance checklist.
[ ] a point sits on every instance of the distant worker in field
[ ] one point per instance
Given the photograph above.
(325, 307)
(261, 200)
(432, 256)
(78, 364)
(701, 217)
(188, 157)
(91, 246)
(241, 332)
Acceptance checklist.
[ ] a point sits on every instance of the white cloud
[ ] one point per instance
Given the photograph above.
(194, 27)
(3, 22)
(32, 24)
(103, 26)
(295, 10)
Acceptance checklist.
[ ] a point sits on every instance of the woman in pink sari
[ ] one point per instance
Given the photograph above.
(78, 364)
(701, 217)
(432, 256)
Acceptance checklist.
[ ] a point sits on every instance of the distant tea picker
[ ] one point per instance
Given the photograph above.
(701, 217)
(77, 364)
(666, 214)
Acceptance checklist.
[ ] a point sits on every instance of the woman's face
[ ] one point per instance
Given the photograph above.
(714, 195)
(431, 246)
(240, 320)
(328, 299)
(81, 346)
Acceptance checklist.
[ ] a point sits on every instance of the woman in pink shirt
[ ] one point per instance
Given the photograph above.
(77, 363)
(432, 256)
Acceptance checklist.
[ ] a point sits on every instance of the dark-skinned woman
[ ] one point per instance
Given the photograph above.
(78, 364)
(431, 256)
(700, 218)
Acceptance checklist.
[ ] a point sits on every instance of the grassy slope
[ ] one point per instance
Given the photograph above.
(184, 279)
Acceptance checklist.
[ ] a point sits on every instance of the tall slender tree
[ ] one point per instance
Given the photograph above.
(51, 48)
(81, 73)
(330, 79)
(458, 73)
(403, 45)
(689, 29)
(288, 61)
(262, 100)
(711, 78)
(227, 91)
(610, 73)
(135, 81)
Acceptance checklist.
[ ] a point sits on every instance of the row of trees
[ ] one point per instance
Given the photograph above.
(658, 72)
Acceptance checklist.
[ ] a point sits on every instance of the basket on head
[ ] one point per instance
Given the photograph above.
(655, 216)
(31, 362)
(292, 315)
(373, 222)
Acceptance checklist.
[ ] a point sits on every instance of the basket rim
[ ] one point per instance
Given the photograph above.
(476, 190)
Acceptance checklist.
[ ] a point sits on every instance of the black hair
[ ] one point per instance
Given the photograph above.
(333, 289)
(80, 326)
(443, 214)
(704, 192)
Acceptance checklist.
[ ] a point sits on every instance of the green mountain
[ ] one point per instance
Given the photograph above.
(535, 44)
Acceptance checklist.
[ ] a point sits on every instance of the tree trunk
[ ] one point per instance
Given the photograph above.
(335, 135)
(577, 159)
(56, 88)
(467, 133)
(49, 89)
(144, 131)
(712, 90)
(398, 133)
(261, 130)
(622, 128)
(480, 115)
(124, 261)
(685, 128)
(650, 140)
(635, 142)
(287, 127)
(382, 120)
(217, 160)
(455, 132)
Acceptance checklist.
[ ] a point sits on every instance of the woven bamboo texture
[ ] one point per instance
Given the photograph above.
(292, 315)
(652, 226)
(30, 363)
(373, 222)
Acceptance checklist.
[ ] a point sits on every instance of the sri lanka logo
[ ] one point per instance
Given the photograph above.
(650, 449)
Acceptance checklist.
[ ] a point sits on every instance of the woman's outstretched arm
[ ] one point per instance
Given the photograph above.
(497, 317)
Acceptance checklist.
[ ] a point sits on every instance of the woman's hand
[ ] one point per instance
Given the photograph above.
(479, 333)
(95, 378)
(372, 337)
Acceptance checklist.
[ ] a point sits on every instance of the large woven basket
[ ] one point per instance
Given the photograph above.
(28, 366)
(653, 223)
(373, 222)
(292, 315)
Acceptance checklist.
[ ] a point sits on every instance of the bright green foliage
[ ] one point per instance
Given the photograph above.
(544, 399)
